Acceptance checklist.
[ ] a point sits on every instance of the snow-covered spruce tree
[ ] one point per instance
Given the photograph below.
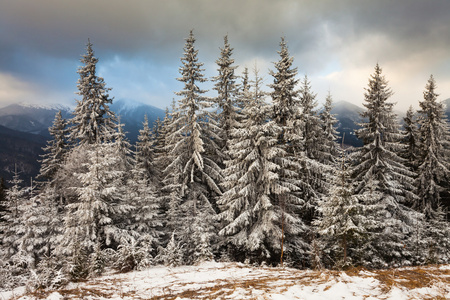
(122, 148)
(3, 201)
(342, 223)
(315, 172)
(93, 121)
(40, 227)
(433, 170)
(411, 140)
(145, 152)
(434, 167)
(97, 215)
(227, 90)
(55, 151)
(144, 221)
(329, 133)
(380, 171)
(169, 193)
(192, 174)
(258, 210)
(286, 115)
(12, 229)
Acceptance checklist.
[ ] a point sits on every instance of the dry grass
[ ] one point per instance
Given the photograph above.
(282, 280)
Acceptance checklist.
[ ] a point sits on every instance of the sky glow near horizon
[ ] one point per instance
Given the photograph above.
(139, 45)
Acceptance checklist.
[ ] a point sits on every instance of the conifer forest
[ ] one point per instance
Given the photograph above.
(252, 174)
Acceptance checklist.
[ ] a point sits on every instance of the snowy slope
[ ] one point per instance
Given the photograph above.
(238, 281)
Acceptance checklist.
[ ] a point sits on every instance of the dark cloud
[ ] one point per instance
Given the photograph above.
(43, 40)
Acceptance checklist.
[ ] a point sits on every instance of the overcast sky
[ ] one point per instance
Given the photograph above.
(140, 43)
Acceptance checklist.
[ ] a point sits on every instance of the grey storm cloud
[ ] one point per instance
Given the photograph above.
(34, 35)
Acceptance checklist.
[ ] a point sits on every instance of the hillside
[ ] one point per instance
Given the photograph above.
(239, 281)
(20, 149)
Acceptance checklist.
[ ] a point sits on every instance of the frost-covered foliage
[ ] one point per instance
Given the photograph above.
(192, 177)
(342, 223)
(227, 90)
(145, 152)
(313, 158)
(93, 121)
(55, 151)
(258, 207)
(95, 217)
(329, 133)
(433, 166)
(12, 228)
(382, 176)
(411, 140)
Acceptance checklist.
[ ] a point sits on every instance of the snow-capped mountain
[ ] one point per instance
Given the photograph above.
(132, 115)
(37, 119)
(31, 118)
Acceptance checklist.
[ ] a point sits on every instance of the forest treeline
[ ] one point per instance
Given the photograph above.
(246, 175)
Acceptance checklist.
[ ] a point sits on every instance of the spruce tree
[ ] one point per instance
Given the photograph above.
(257, 224)
(97, 215)
(3, 201)
(315, 173)
(382, 176)
(56, 149)
(227, 90)
(93, 121)
(193, 175)
(329, 133)
(145, 152)
(12, 228)
(434, 167)
(411, 140)
(286, 115)
(342, 223)
(433, 170)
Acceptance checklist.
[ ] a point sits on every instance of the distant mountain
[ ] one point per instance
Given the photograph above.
(348, 115)
(37, 119)
(31, 118)
(21, 150)
(132, 115)
(24, 131)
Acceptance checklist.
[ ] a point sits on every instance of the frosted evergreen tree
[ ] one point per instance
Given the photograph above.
(286, 114)
(329, 132)
(433, 170)
(192, 174)
(123, 148)
(3, 201)
(12, 228)
(342, 223)
(256, 222)
(284, 95)
(314, 172)
(93, 121)
(434, 167)
(227, 90)
(379, 170)
(145, 152)
(40, 227)
(145, 218)
(56, 149)
(411, 139)
(311, 125)
(96, 217)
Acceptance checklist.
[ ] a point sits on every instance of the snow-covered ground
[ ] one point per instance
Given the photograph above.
(238, 281)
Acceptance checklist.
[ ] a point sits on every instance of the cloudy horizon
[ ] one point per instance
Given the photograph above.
(139, 45)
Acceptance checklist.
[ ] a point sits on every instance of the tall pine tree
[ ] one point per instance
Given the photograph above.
(382, 176)
(93, 121)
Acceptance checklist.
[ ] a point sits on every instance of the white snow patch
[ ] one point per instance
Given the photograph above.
(238, 281)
